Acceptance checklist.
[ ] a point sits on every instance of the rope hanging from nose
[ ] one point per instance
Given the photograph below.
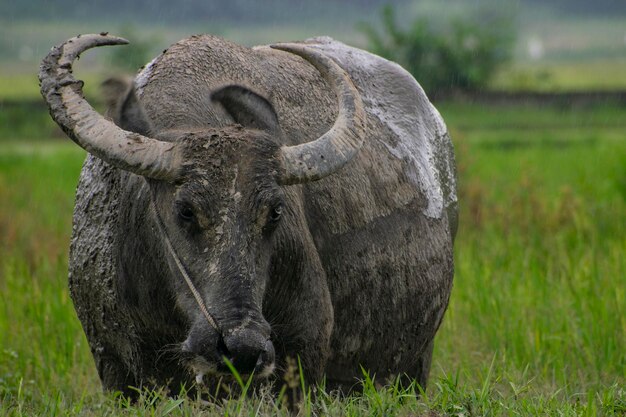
(183, 271)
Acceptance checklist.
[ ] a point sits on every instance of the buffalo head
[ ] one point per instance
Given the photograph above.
(217, 195)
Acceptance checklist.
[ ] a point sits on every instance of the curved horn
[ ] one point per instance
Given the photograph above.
(327, 154)
(92, 132)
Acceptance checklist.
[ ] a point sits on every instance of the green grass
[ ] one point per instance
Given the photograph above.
(602, 74)
(537, 318)
(25, 86)
(23, 114)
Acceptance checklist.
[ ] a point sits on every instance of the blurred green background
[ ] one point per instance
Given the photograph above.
(533, 93)
(558, 44)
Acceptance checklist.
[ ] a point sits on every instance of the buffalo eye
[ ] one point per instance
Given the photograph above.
(185, 213)
(275, 213)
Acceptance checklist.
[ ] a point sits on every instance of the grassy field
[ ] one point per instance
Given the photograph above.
(537, 319)
(601, 74)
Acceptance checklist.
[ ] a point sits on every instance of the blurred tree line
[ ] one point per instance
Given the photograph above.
(584, 7)
(460, 55)
(182, 11)
(228, 11)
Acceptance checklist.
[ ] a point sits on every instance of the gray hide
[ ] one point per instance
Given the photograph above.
(368, 279)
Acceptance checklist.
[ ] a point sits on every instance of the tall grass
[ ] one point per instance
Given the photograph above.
(540, 257)
(537, 318)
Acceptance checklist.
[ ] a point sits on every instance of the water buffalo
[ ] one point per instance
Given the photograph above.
(254, 204)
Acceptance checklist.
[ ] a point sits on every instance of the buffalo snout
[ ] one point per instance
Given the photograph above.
(248, 349)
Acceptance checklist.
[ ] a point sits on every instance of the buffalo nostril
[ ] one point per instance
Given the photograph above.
(246, 348)
(265, 363)
(222, 350)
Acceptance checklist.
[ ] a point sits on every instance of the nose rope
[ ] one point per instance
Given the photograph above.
(183, 271)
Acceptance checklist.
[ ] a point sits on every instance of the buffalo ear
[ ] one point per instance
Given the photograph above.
(247, 108)
(132, 116)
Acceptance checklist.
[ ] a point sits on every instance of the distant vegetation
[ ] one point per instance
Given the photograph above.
(463, 55)
(229, 11)
(189, 11)
(134, 55)
(560, 45)
(585, 7)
